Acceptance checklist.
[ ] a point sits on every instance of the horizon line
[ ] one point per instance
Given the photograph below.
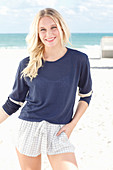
(70, 32)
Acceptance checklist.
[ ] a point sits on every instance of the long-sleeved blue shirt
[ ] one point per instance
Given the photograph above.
(51, 95)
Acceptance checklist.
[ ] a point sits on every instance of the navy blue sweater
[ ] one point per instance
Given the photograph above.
(51, 95)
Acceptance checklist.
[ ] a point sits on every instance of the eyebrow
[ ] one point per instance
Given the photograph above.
(51, 25)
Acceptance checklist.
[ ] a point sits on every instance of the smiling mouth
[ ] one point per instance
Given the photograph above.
(50, 39)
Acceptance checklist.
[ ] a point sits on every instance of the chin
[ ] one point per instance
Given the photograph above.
(50, 45)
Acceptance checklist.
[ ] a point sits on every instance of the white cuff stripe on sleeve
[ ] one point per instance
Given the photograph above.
(85, 95)
(19, 103)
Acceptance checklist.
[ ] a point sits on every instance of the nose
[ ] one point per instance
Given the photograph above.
(48, 33)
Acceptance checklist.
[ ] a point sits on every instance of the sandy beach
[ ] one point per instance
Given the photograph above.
(92, 137)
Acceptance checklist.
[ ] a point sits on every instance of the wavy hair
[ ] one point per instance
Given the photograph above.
(34, 45)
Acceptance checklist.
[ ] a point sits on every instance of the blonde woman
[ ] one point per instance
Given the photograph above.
(47, 80)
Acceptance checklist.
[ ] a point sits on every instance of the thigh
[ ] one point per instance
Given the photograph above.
(29, 163)
(63, 161)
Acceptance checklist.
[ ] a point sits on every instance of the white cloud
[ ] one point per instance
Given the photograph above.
(83, 8)
(80, 11)
(95, 9)
(23, 7)
(70, 12)
(4, 10)
(14, 12)
(104, 14)
(49, 3)
(18, 4)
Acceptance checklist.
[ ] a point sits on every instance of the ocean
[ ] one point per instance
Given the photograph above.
(78, 40)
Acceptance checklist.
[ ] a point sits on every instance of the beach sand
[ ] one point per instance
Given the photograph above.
(92, 137)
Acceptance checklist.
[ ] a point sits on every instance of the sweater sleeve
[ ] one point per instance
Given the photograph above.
(85, 82)
(19, 92)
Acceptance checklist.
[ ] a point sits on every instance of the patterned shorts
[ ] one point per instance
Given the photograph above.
(35, 138)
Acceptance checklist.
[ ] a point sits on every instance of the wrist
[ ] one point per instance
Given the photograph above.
(73, 123)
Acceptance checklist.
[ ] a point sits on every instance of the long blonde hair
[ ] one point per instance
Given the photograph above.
(36, 47)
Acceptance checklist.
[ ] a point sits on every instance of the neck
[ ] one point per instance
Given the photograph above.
(54, 52)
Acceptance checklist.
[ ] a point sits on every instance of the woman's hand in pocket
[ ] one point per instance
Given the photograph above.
(68, 128)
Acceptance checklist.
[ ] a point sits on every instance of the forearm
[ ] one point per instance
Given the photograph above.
(3, 115)
(81, 108)
(68, 128)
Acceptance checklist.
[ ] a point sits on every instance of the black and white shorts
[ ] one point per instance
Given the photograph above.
(35, 138)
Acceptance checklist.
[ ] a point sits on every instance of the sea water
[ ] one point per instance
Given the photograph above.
(78, 40)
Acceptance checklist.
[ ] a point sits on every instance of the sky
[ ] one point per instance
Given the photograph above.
(82, 16)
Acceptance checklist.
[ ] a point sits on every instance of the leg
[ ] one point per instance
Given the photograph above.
(63, 161)
(29, 163)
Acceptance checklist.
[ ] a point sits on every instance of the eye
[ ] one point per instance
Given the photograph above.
(54, 27)
(43, 29)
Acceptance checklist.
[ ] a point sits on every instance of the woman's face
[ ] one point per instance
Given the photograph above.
(48, 32)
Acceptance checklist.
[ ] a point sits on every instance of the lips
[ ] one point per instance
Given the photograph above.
(50, 39)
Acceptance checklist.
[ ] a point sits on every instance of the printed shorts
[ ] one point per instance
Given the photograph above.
(35, 138)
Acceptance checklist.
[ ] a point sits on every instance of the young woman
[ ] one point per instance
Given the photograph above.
(47, 80)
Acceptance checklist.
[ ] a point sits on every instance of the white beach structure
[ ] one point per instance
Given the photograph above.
(107, 47)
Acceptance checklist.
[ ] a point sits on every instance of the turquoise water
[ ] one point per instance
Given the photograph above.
(78, 40)
(12, 40)
(82, 40)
